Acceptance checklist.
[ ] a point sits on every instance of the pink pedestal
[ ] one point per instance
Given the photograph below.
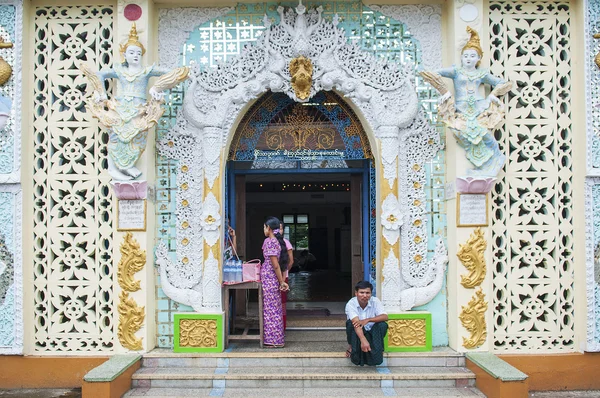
(130, 190)
(474, 184)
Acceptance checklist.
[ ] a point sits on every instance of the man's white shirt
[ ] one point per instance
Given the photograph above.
(374, 308)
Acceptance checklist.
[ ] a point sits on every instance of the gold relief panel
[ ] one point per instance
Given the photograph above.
(133, 260)
(407, 332)
(198, 333)
(471, 254)
(131, 319)
(472, 318)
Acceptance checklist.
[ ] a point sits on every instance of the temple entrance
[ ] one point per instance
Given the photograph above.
(310, 166)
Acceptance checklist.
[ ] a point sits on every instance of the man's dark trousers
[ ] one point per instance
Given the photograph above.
(374, 337)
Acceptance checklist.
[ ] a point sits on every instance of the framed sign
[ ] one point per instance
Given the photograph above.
(472, 210)
(131, 215)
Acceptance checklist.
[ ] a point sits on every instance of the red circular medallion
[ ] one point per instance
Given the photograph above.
(132, 12)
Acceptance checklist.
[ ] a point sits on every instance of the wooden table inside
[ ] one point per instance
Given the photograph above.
(244, 335)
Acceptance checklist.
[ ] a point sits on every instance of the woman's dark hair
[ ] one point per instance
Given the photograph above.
(284, 258)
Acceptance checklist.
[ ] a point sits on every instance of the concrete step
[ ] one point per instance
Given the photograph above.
(277, 358)
(306, 392)
(304, 377)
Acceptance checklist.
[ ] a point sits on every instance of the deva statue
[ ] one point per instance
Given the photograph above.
(471, 117)
(129, 116)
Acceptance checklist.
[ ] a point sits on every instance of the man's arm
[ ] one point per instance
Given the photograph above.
(358, 328)
(378, 318)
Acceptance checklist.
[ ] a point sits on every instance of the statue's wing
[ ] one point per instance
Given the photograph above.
(502, 89)
(92, 77)
(171, 79)
(435, 79)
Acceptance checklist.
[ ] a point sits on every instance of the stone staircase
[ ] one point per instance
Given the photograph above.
(248, 371)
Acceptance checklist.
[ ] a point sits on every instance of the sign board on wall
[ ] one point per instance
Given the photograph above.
(131, 215)
(472, 210)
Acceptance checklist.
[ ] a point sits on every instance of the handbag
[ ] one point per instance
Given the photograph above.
(251, 271)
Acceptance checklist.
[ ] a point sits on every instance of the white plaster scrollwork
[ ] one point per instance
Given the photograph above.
(424, 23)
(383, 92)
(391, 283)
(191, 297)
(174, 27)
(416, 296)
(211, 283)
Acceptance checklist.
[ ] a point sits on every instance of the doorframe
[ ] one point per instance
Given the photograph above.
(230, 194)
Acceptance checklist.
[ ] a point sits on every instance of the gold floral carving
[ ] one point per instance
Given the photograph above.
(301, 70)
(472, 318)
(133, 260)
(407, 332)
(197, 333)
(131, 318)
(471, 254)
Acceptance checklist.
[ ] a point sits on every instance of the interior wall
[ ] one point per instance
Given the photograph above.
(325, 211)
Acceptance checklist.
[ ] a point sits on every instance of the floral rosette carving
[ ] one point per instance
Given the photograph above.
(131, 319)
(391, 219)
(472, 318)
(133, 260)
(210, 219)
(407, 332)
(471, 254)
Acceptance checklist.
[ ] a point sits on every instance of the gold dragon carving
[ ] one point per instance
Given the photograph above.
(471, 254)
(131, 318)
(407, 332)
(301, 70)
(133, 260)
(472, 318)
(198, 333)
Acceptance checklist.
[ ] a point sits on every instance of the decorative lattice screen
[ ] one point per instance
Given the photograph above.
(532, 207)
(73, 242)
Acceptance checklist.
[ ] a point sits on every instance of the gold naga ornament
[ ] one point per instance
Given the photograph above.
(471, 254)
(131, 319)
(5, 69)
(472, 318)
(133, 260)
(301, 70)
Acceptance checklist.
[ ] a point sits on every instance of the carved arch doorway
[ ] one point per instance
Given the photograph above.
(318, 155)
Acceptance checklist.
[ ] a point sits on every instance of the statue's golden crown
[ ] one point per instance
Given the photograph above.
(133, 40)
(473, 43)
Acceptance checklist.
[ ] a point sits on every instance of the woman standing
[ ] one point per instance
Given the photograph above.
(271, 276)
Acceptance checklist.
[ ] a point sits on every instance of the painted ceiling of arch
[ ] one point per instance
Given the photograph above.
(326, 125)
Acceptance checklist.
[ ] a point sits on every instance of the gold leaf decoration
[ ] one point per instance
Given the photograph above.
(471, 254)
(407, 332)
(133, 260)
(301, 70)
(597, 57)
(472, 318)
(131, 318)
(198, 333)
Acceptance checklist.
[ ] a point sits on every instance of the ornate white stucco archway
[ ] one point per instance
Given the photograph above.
(381, 91)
